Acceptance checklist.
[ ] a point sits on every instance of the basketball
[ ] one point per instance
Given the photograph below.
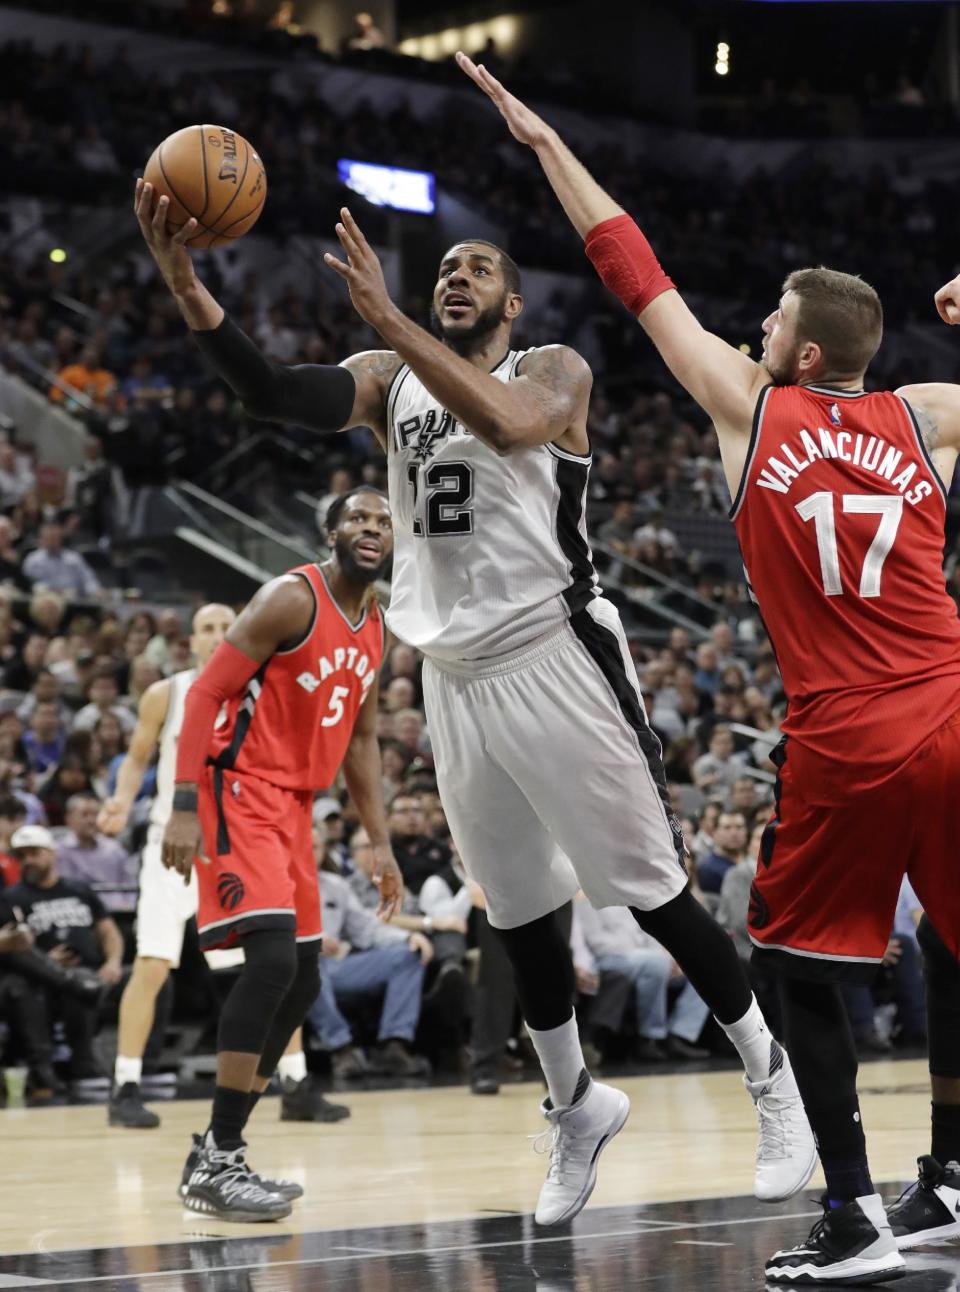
(214, 175)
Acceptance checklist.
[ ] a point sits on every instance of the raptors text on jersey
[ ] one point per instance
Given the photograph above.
(292, 724)
(840, 517)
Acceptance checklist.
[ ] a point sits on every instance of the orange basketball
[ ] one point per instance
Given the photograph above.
(214, 175)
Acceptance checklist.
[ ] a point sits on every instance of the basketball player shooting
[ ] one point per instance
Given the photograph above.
(839, 509)
(288, 696)
(526, 663)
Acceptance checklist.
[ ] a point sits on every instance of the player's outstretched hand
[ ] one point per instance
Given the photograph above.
(181, 843)
(522, 122)
(168, 249)
(947, 301)
(386, 875)
(112, 817)
(362, 271)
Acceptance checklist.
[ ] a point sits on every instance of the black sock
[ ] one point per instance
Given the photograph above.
(230, 1111)
(847, 1177)
(254, 1100)
(945, 1144)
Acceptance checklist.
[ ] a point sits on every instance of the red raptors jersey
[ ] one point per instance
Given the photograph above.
(840, 518)
(293, 723)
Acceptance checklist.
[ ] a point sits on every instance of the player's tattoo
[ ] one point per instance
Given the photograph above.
(928, 426)
(382, 364)
(558, 375)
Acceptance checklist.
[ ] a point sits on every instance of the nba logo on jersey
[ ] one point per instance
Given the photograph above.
(835, 414)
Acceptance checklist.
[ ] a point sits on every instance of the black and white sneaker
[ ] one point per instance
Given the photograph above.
(286, 1189)
(126, 1108)
(222, 1185)
(847, 1246)
(303, 1101)
(929, 1211)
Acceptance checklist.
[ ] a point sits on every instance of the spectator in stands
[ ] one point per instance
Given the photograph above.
(88, 857)
(328, 813)
(142, 675)
(707, 675)
(746, 796)
(732, 912)
(71, 776)
(45, 738)
(715, 771)
(364, 959)
(58, 567)
(45, 690)
(12, 816)
(620, 948)
(17, 476)
(408, 730)
(395, 759)
(169, 630)
(10, 563)
(103, 696)
(418, 856)
(399, 695)
(69, 922)
(367, 35)
(46, 612)
(88, 376)
(21, 674)
(89, 490)
(145, 387)
(729, 849)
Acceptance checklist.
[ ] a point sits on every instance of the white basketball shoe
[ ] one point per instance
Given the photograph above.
(575, 1138)
(787, 1152)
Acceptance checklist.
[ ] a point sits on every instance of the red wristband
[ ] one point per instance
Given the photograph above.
(226, 674)
(625, 261)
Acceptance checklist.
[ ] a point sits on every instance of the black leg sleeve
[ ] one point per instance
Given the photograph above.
(269, 967)
(704, 952)
(292, 1011)
(542, 969)
(941, 972)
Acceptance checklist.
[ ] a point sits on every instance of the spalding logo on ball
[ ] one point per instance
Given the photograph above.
(212, 174)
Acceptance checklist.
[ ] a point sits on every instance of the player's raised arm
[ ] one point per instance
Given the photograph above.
(151, 715)
(277, 616)
(722, 380)
(321, 397)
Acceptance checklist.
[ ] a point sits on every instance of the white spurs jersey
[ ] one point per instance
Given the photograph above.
(180, 684)
(490, 552)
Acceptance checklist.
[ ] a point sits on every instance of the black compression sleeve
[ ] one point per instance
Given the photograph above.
(318, 396)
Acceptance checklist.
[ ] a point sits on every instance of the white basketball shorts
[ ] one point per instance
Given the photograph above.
(550, 777)
(165, 903)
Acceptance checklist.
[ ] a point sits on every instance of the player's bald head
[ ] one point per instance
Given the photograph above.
(212, 610)
(211, 624)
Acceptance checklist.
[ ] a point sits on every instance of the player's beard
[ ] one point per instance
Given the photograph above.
(355, 572)
(783, 373)
(468, 339)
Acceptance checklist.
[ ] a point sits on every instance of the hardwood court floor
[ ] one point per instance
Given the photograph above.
(431, 1176)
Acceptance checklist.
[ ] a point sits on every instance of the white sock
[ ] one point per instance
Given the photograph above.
(125, 1070)
(562, 1060)
(755, 1043)
(293, 1066)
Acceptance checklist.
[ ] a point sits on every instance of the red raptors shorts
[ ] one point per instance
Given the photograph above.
(828, 877)
(261, 873)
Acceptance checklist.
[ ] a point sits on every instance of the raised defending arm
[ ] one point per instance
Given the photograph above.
(722, 380)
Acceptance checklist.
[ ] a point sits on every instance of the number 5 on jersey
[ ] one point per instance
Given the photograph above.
(820, 508)
(446, 499)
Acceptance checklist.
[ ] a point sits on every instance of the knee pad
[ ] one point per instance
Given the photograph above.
(270, 965)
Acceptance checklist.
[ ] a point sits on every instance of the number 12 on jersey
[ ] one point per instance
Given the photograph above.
(447, 494)
(820, 508)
